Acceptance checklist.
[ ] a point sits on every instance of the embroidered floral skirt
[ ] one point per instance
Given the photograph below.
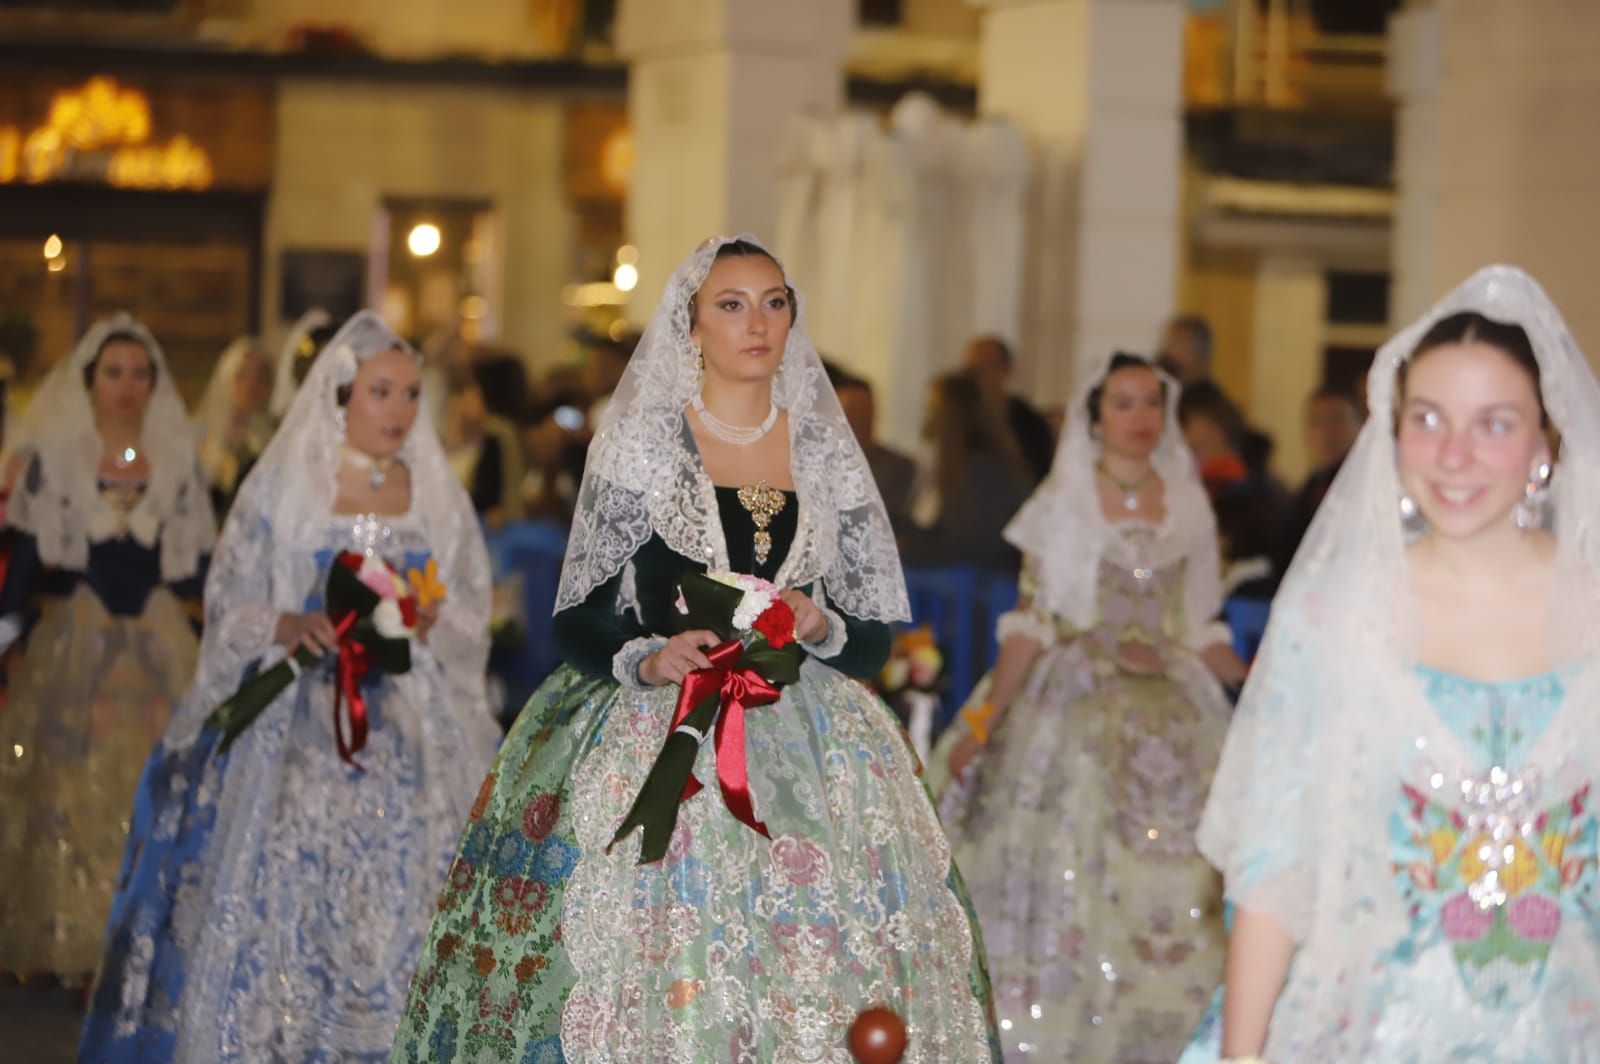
(735, 947)
(1076, 831)
(90, 698)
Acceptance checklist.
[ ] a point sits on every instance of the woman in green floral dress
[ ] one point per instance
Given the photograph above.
(724, 448)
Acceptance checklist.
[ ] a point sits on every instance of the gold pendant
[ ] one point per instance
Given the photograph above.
(763, 504)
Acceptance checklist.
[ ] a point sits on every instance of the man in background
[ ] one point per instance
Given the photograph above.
(991, 361)
(893, 471)
(1333, 420)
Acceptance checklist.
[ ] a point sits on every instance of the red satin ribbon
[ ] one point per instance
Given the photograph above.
(739, 689)
(353, 665)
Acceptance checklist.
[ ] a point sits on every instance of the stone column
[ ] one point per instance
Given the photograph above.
(1097, 85)
(1413, 81)
(713, 86)
(1499, 161)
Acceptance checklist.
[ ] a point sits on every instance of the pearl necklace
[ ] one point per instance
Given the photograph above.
(738, 435)
(378, 469)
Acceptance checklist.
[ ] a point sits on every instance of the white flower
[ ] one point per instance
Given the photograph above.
(753, 605)
(389, 621)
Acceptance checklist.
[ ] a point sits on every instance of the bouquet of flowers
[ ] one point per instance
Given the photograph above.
(757, 657)
(374, 611)
(911, 683)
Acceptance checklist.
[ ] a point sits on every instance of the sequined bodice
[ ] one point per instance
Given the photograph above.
(1491, 857)
(1139, 599)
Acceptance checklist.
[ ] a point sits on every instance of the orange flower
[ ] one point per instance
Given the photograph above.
(682, 993)
(426, 585)
(920, 638)
(483, 960)
(481, 803)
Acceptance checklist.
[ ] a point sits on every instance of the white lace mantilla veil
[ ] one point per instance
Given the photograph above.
(68, 511)
(644, 475)
(1297, 817)
(283, 385)
(263, 565)
(1063, 528)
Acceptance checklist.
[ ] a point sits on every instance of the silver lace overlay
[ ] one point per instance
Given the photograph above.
(302, 920)
(644, 477)
(836, 785)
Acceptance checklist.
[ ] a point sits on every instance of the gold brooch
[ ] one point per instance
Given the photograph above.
(763, 504)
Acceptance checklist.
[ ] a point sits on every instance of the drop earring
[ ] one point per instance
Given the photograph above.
(1532, 509)
(1412, 523)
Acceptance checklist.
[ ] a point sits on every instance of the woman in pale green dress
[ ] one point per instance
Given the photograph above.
(723, 448)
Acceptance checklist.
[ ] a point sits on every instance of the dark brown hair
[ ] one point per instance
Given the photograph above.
(131, 337)
(743, 249)
(971, 421)
(1119, 361)
(1468, 327)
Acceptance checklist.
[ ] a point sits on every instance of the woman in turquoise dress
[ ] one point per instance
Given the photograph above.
(1404, 810)
(723, 448)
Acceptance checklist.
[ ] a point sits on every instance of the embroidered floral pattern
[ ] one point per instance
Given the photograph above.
(1489, 858)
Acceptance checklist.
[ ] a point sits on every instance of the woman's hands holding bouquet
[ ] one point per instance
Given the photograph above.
(684, 652)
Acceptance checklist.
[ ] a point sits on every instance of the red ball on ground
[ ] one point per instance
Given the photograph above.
(878, 1036)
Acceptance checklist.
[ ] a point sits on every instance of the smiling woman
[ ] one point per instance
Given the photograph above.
(1403, 810)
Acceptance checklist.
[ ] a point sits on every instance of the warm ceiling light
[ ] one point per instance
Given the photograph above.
(628, 255)
(625, 277)
(424, 239)
(52, 247)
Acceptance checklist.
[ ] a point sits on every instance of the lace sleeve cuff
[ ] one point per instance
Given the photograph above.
(832, 644)
(625, 663)
(1029, 623)
(1210, 635)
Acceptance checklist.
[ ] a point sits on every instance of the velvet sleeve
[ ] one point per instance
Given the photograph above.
(866, 646)
(589, 635)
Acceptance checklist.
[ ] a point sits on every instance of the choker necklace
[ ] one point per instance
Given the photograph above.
(377, 469)
(124, 458)
(738, 435)
(1130, 492)
(763, 503)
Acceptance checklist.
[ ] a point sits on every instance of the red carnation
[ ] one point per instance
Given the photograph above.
(776, 623)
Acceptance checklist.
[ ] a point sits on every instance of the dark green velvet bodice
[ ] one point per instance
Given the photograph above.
(589, 635)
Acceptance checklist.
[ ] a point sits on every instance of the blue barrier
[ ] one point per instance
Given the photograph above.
(1247, 618)
(533, 550)
(961, 604)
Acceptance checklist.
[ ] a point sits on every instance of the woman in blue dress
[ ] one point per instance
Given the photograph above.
(274, 897)
(111, 528)
(1404, 810)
